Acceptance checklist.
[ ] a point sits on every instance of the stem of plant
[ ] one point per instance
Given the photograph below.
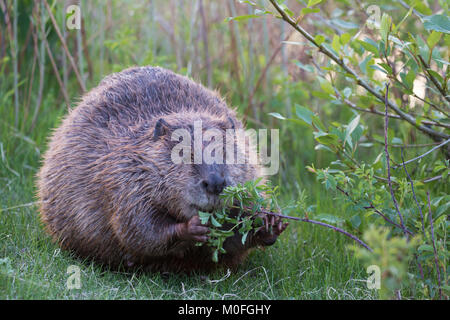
(320, 224)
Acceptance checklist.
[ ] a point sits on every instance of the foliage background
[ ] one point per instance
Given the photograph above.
(262, 67)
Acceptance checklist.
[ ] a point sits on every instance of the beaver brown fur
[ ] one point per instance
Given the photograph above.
(109, 190)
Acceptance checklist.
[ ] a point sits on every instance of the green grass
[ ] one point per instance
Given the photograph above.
(308, 262)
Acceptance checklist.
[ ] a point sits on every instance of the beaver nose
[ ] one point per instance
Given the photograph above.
(214, 184)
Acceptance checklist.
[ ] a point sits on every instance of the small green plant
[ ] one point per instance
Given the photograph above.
(392, 254)
(241, 205)
(376, 71)
(243, 209)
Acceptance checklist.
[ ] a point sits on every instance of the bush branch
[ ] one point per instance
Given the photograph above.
(413, 193)
(425, 154)
(320, 224)
(432, 133)
(388, 160)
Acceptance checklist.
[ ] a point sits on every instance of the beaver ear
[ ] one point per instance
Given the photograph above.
(161, 128)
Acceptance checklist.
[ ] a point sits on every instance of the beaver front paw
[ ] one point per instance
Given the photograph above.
(269, 232)
(192, 230)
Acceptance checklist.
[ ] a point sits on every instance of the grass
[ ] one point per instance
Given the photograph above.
(307, 263)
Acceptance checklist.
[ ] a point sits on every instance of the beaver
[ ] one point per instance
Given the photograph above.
(109, 190)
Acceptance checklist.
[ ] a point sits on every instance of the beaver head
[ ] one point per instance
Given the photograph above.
(201, 155)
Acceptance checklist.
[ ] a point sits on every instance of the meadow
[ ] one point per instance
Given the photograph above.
(264, 69)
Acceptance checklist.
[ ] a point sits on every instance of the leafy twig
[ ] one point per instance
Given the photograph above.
(425, 154)
(437, 135)
(372, 207)
(390, 115)
(321, 224)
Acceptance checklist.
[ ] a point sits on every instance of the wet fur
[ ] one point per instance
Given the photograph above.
(107, 187)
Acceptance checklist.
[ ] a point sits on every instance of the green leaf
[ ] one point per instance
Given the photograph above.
(385, 26)
(277, 115)
(247, 2)
(305, 11)
(326, 138)
(409, 79)
(204, 217)
(329, 218)
(304, 114)
(244, 237)
(433, 39)
(326, 86)
(286, 9)
(330, 182)
(322, 147)
(345, 38)
(336, 45)
(344, 24)
(355, 221)
(242, 18)
(313, 2)
(436, 75)
(319, 39)
(437, 22)
(425, 247)
(350, 128)
(363, 64)
(318, 123)
(215, 222)
(369, 45)
(347, 92)
(422, 7)
(306, 67)
(215, 256)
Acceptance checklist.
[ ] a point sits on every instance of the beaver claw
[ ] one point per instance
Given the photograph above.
(192, 230)
(269, 232)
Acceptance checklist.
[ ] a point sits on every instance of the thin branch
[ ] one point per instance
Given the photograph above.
(431, 105)
(372, 207)
(436, 260)
(432, 179)
(58, 77)
(388, 160)
(55, 69)
(205, 44)
(390, 115)
(406, 6)
(63, 42)
(320, 224)
(432, 133)
(433, 79)
(420, 145)
(426, 153)
(412, 189)
(40, 22)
